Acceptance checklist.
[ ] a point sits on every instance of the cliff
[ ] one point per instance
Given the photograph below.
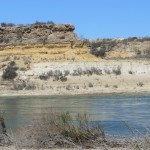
(36, 34)
(51, 59)
(130, 48)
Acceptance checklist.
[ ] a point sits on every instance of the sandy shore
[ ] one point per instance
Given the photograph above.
(13, 148)
(89, 91)
(133, 78)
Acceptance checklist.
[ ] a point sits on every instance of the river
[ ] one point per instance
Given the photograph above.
(114, 112)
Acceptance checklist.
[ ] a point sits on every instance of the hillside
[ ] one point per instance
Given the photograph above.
(51, 59)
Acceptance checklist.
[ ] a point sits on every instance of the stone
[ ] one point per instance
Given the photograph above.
(36, 34)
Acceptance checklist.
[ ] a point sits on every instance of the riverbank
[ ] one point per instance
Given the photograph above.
(62, 131)
(78, 78)
(13, 148)
(89, 91)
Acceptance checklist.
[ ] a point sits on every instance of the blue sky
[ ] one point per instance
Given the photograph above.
(92, 18)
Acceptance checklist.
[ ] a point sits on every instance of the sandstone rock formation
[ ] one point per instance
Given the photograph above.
(36, 34)
(51, 57)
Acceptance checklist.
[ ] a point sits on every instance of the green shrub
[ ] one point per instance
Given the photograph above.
(41, 23)
(66, 72)
(117, 71)
(63, 78)
(100, 47)
(44, 77)
(3, 24)
(57, 75)
(140, 84)
(98, 52)
(130, 72)
(50, 22)
(10, 72)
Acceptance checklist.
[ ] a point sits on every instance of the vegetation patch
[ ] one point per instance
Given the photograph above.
(62, 130)
(10, 72)
(117, 71)
(140, 84)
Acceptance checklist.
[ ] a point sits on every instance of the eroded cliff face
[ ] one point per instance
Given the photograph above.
(130, 48)
(51, 57)
(39, 43)
(36, 34)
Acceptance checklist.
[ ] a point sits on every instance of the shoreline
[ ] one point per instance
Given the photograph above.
(10, 93)
(14, 148)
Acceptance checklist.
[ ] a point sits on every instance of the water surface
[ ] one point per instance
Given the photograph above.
(111, 110)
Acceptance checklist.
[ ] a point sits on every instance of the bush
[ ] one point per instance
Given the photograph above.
(117, 71)
(57, 75)
(66, 72)
(77, 87)
(90, 84)
(96, 71)
(140, 84)
(130, 72)
(4, 138)
(44, 77)
(107, 71)
(3, 24)
(63, 78)
(10, 72)
(62, 130)
(90, 71)
(98, 52)
(77, 72)
(41, 23)
(68, 87)
(20, 84)
(50, 73)
(115, 86)
(2, 125)
(100, 47)
(50, 22)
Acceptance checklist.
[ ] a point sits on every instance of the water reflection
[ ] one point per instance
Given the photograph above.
(19, 111)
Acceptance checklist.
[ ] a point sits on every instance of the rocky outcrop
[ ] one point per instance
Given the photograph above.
(36, 34)
(121, 48)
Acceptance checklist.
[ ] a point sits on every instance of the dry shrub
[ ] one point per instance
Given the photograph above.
(10, 72)
(62, 130)
(4, 138)
(90, 84)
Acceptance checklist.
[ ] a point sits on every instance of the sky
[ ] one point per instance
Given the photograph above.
(92, 18)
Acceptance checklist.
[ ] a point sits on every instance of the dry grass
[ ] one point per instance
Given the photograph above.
(62, 130)
(4, 138)
(57, 130)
